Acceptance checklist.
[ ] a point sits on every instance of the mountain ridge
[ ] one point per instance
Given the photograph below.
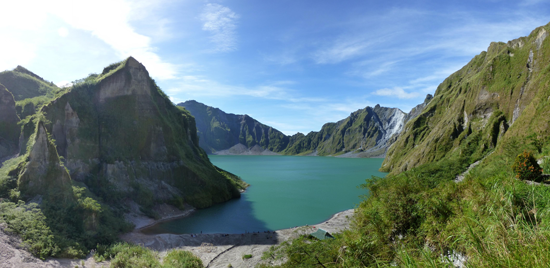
(366, 132)
(481, 103)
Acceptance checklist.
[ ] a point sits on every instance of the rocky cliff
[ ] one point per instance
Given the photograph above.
(500, 95)
(9, 130)
(79, 160)
(118, 134)
(220, 131)
(365, 133)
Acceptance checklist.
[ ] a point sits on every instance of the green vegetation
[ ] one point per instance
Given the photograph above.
(23, 84)
(123, 255)
(421, 217)
(62, 229)
(526, 167)
(30, 223)
(179, 258)
(502, 92)
(247, 256)
(142, 136)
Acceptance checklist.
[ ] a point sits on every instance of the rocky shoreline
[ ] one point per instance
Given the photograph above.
(215, 250)
(219, 250)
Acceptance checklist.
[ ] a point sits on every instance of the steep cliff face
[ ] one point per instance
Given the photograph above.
(219, 131)
(122, 137)
(365, 133)
(500, 93)
(9, 130)
(43, 173)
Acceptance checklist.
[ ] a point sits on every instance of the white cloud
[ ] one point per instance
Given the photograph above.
(111, 25)
(63, 32)
(197, 86)
(14, 52)
(397, 92)
(341, 51)
(63, 84)
(220, 21)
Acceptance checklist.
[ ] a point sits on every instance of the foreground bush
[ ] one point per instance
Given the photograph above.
(180, 258)
(30, 223)
(124, 255)
(526, 167)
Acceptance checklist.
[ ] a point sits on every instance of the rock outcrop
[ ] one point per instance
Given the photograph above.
(43, 174)
(219, 131)
(9, 130)
(118, 134)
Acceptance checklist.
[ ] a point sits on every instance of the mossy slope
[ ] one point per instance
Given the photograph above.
(501, 93)
(29, 90)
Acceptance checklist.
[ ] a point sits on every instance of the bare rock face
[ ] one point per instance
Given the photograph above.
(121, 136)
(124, 84)
(540, 37)
(44, 172)
(9, 130)
(7, 106)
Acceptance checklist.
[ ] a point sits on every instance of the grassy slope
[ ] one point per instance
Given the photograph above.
(480, 98)
(422, 218)
(29, 90)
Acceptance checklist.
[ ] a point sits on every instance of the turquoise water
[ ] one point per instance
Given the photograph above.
(285, 191)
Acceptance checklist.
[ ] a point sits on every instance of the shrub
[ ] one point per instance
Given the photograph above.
(526, 167)
(180, 258)
(247, 256)
(30, 223)
(124, 255)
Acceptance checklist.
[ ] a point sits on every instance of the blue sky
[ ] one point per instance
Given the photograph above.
(293, 65)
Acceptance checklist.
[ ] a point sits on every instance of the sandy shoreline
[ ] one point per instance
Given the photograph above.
(219, 250)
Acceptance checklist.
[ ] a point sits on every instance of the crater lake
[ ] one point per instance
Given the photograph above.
(284, 192)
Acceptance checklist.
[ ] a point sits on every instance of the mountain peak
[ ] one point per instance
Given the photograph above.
(128, 77)
(24, 70)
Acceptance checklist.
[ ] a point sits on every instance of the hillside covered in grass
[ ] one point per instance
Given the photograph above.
(501, 94)
(488, 118)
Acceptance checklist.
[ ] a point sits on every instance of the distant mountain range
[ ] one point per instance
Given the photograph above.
(365, 133)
